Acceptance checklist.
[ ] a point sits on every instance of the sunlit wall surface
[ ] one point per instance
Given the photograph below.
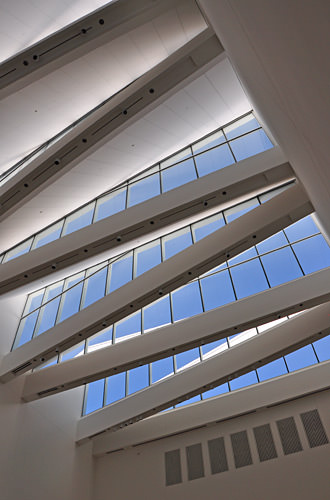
(227, 145)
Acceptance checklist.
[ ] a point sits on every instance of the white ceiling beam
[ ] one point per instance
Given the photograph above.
(222, 322)
(221, 408)
(238, 360)
(228, 241)
(130, 104)
(75, 40)
(252, 175)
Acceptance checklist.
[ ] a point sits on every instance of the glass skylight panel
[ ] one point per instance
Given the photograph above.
(157, 314)
(250, 145)
(142, 190)
(121, 272)
(79, 219)
(241, 126)
(240, 209)
(217, 290)
(147, 256)
(110, 204)
(177, 157)
(48, 312)
(116, 388)
(18, 250)
(214, 160)
(138, 378)
(179, 174)
(128, 327)
(95, 285)
(186, 301)
(161, 369)
(100, 340)
(209, 142)
(207, 226)
(50, 234)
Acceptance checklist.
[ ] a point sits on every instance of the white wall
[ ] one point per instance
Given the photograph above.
(38, 457)
(139, 472)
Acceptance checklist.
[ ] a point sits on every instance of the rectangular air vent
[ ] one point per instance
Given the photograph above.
(265, 443)
(314, 429)
(195, 461)
(289, 435)
(217, 454)
(241, 449)
(173, 474)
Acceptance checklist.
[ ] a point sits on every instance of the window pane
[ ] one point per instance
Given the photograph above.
(243, 381)
(302, 228)
(221, 389)
(217, 290)
(301, 358)
(129, 326)
(161, 369)
(179, 174)
(94, 400)
(249, 278)
(143, 190)
(250, 145)
(241, 126)
(187, 358)
(116, 387)
(214, 348)
(50, 234)
(248, 254)
(210, 142)
(79, 219)
(157, 314)
(73, 352)
(213, 160)
(238, 338)
(25, 330)
(276, 241)
(146, 257)
(110, 204)
(102, 339)
(70, 301)
(322, 348)
(207, 226)
(17, 251)
(281, 266)
(194, 399)
(176, 157)
(313, 253)
(271, 370)
(121, 272)
(186, 301)
(241, 209)
(177, 241)
(138, 378)
(274, 192)
(48, 312)
(94, 287)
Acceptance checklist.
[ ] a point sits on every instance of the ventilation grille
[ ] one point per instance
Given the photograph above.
(314, 428)
(173, 473)
(195, 461)
(265, 442)
(241, 449)
(289, 435)
(217, 454)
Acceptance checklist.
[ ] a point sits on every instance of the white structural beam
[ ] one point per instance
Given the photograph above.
(236, 361)
(252, 175)
(221, 408)
(222, 322)
(75, 40)
(186, 63)
(228, 241)
(292, 97)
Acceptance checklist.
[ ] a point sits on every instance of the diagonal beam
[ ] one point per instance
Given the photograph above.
(219, 323)
(264, 395)
(251, 175)
(230, 240)
(76, 39)
(247, 356)
(109, 120)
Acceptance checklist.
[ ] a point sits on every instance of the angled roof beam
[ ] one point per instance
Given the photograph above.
(130, 104)
(228, 241)
(272, 392)
(249, 355)
(75, 40)
(251, 175)
(207, 327)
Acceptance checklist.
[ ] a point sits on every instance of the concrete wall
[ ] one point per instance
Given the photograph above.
(39, 458)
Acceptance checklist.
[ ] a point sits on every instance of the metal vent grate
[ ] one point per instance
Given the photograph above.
(195, 461)
(265, 442)
(241, 449)
(173, 473)
(217, 454)
(289, 435)
(314, 428)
